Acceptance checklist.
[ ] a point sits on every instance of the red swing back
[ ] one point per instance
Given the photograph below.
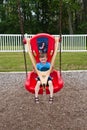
(36, 42)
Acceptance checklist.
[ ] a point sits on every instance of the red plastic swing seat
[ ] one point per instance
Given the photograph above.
(31, 78)
(31, 82)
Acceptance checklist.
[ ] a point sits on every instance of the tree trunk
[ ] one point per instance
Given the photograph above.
(85, 9)
(70, 21)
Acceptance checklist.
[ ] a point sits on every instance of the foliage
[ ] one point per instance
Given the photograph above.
(43, 16)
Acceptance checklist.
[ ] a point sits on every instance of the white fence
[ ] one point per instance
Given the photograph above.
(13, 43)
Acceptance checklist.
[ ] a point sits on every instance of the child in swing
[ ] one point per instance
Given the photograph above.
(43, 65)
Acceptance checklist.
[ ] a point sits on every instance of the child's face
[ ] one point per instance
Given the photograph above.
(43, 59)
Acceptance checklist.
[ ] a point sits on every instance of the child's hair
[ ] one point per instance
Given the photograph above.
(41, 55)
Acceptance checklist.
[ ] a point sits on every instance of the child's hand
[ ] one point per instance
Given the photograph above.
(34, 70)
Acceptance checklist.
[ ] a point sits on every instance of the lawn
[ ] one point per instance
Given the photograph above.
(10, 62)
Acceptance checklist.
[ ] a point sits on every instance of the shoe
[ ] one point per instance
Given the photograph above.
(36, 100)
(51, 100)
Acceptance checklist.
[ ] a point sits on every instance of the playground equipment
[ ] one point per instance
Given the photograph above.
(51, 48)
(33, 45)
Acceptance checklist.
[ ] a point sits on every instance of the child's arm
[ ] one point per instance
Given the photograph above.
(34, 70)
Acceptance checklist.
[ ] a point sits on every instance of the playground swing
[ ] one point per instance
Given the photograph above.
(33, 45)
(51, 47)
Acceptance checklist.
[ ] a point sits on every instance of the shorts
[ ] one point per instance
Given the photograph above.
(49, 78)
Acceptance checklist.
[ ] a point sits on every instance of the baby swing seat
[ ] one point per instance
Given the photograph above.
(44, 43)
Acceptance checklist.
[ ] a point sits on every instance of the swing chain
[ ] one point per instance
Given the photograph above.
(22, 32)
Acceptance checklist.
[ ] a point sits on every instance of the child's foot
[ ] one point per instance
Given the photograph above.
(36, 100)
(51, 100)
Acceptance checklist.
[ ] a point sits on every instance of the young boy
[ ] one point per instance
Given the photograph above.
(43, 65)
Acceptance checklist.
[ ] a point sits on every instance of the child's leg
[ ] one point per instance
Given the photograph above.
(50, 88)
(37, 87)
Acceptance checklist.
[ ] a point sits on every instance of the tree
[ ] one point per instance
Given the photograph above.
(43, 16)
(82, 19)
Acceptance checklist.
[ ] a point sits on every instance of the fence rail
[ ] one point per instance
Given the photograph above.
(13, 42)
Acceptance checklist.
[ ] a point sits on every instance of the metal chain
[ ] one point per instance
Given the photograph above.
(22, 32)
(60, 24)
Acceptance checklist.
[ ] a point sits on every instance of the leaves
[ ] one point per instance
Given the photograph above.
(43, 16)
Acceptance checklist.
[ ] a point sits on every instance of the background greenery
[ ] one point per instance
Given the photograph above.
(70, 61)
(43, 16)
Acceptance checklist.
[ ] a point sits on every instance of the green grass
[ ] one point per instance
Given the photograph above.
(73, 61)
(15, 62)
